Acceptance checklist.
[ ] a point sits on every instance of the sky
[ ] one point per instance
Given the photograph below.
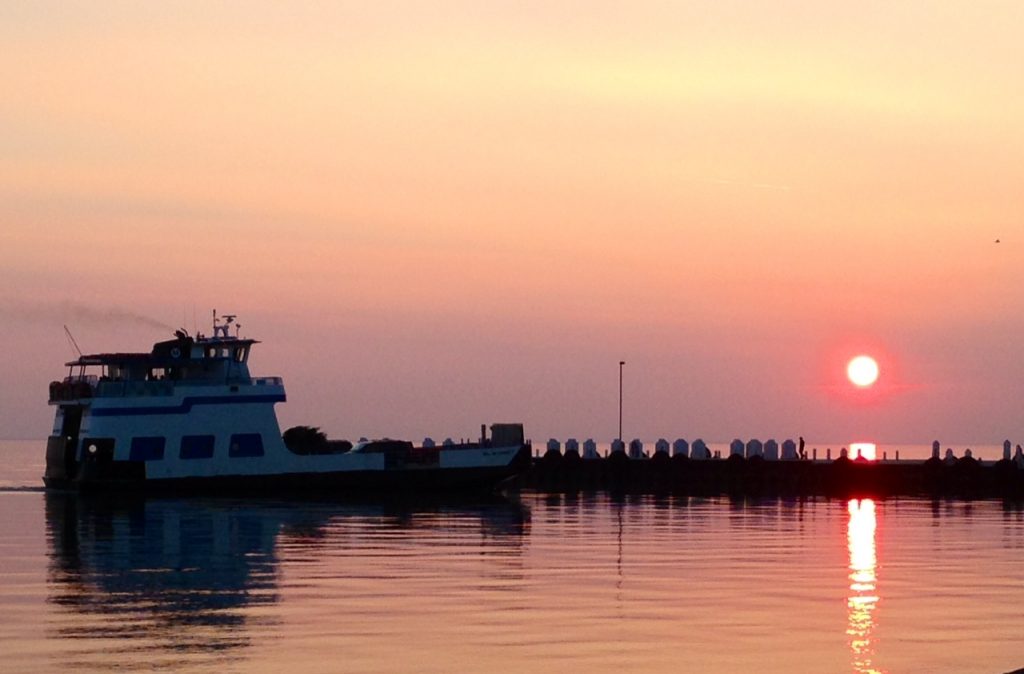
(437, 215)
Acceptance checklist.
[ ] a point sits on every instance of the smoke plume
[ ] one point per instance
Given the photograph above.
(74, 313)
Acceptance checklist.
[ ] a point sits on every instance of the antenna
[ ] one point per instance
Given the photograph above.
(229, 320)
(71, 339)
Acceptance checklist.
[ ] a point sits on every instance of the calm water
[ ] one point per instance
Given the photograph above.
(537, 584)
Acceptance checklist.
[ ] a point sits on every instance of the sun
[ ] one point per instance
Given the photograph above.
(862, 371)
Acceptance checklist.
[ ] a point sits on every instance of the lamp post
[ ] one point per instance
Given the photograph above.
(621, 363)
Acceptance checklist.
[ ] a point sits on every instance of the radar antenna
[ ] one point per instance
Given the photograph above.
(225, 329)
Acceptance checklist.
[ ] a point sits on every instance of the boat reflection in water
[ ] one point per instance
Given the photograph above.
(863, 598)
(176, 583)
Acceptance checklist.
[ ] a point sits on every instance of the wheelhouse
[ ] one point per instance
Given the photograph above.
(183, 360)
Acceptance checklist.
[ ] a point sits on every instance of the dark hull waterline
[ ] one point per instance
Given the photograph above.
(361, 484)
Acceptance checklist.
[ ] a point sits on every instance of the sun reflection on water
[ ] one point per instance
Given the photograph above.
(868, 450)
(863, 598)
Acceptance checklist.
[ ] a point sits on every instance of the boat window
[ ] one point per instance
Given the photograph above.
(240, 354)
(211, 352)
(246, 444)
(196, 446)
(147, 449)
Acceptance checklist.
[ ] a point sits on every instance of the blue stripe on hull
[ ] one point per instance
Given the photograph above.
(186, 405)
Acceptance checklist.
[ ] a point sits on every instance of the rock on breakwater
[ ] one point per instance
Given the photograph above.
(965, 477)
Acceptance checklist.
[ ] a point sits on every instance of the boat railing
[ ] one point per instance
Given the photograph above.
(121, 389)
(89, 386)
(73, 388)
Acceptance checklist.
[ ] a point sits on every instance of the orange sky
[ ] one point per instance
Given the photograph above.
(442, 214)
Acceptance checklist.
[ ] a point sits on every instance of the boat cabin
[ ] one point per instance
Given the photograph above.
(200, 360)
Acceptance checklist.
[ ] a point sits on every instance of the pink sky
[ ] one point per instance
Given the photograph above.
(442, 214)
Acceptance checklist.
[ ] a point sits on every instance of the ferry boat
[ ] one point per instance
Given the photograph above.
(189, 416)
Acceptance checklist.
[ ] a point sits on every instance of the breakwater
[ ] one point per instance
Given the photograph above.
(965, 477)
